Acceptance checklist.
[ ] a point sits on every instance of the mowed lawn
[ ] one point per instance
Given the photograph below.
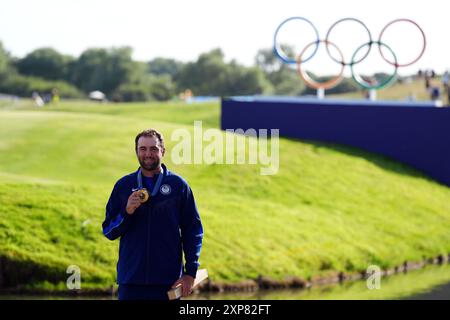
(330, 208)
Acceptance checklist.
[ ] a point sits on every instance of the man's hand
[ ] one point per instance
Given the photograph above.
(133, 202)
(186, 282)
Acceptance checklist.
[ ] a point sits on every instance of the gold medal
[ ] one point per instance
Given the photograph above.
(143, 195)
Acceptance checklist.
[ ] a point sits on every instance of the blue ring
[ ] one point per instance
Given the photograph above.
(277, 49)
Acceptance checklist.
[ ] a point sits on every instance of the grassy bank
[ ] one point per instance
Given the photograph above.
(330, 208)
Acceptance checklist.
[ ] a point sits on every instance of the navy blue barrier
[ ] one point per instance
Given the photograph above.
(415, 133)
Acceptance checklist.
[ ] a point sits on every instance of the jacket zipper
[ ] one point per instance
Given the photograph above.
(147, 251)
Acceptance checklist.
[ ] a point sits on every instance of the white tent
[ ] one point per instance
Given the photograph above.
(97, 95)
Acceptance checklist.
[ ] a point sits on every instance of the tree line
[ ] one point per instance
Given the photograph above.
(114, 72)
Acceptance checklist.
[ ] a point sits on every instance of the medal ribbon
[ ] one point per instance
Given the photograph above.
(157, 184)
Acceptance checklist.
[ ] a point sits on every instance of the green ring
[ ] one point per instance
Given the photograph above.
(360, 81)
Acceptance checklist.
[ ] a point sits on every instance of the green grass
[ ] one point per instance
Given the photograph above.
(330, 208)
(174, 112)
(398, 91)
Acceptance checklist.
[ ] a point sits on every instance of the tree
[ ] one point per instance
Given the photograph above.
(267, 61)
(162, 87)
(24, 86)
(206, 76)
(246, 81)
(283, 77)
(211, 76)
(104, 69)
(164, 66)
(46, 63)
(5, 62)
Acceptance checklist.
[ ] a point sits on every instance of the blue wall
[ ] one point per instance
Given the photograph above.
(417, 134)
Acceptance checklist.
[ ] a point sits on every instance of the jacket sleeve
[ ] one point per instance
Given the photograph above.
(117, 220)
(191, 232)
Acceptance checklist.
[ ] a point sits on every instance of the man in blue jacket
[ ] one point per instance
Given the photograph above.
(153, 212)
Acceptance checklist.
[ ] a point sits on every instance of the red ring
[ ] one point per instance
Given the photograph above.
(421, 53)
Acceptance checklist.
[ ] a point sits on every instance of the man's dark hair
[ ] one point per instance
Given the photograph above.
(149, 133)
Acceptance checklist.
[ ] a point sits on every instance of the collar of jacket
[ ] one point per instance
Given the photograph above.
(163, 166)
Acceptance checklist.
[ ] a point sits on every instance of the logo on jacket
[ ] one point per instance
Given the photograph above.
(165, 189)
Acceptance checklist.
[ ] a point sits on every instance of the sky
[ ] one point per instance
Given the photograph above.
(183, 29)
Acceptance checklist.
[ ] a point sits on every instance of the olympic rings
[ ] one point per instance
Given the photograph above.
(358, 79)
(277, 47)
(365, 84)
(314, 84)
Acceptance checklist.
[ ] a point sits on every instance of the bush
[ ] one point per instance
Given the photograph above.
(345, 86)
(24, 86)
(162, 87)
(131, 92)
(148, 87)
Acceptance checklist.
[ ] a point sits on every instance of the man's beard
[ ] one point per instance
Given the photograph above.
(150, 166)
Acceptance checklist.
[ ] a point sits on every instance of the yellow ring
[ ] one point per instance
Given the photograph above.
(312, 83)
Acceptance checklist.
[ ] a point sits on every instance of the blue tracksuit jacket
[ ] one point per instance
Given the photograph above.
(153, 238)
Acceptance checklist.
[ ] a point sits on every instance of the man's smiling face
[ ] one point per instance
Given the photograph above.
(149, 152)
